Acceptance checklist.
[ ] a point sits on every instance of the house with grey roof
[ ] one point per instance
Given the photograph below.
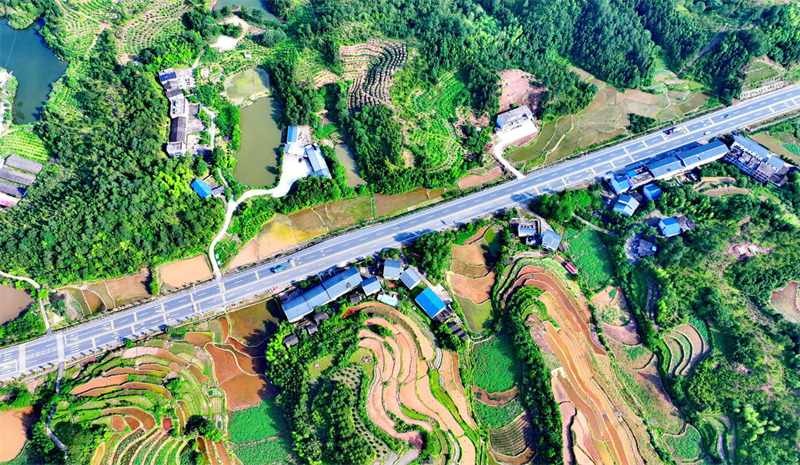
(312, 328)
(411, 278)
(290, 340)
(392, 269)
(318, 166)
(12, 190)
(319, 295)
(320, 317)
(757, 161)
(19, 177)
(177, 131)
(515, 118)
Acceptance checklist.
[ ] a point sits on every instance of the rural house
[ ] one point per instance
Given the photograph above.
(626, 205)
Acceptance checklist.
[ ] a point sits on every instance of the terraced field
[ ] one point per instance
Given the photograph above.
(23, 142)
(407, 385)
(598, 423)
(686, 347)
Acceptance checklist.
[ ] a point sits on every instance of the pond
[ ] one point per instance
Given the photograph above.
(250, 4)
(24, 53)
(257, 158)
(347, 158)
(12, 303)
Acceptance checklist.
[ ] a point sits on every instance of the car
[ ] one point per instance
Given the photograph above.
(669, 131)
(727, 116)
(278, 268)
(707, 133)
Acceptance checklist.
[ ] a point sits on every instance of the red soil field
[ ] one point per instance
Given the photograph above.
(245, 363)
(625, 334)
(451, 380)
(136, 352)
(223, 453)
(250, 351)
(117, 423)
(225, 366)
(472, 180)
(197, 373)
(163, 354)
(145, 418)
(495, 398)
(197, 339)
(133, 423)
(477, 236)
(99, 383)
(243, 391)
(166, 423)
(225, 328)
(135, 371)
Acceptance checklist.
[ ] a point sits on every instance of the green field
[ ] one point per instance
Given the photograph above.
(498, 416)
(24, 143)
(255, 423)
(590, 255)
(495, 365)
(266, 452)
(686, 448)
(479, 316)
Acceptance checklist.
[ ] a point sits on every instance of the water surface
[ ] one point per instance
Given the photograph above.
(24, 53)
(12, 303)
(250, 4)
(347, 158)
(257, 158)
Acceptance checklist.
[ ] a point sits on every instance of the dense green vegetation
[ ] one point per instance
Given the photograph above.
(431, 253)
(112, 203)
(495, 367)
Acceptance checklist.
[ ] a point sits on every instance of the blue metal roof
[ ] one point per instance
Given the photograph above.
(620, 184)
(705, 153)
(371, 285)
(664, 166)
(291, 135)
(626, 205)
(388, 299)
(652, 192)
(318, 164)
(751, 146)
(430, 302)
(392, 269)
(775, 162)
(551, 239)
(201, 188)
(296, 308)
(342, 283)
(410, 278)
(316, 296)
(669, 227)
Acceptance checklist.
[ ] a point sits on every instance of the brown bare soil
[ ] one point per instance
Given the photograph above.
(451, 380)
(128, 289)
(14, 426)
(478, 290)
(147, 420)
(520, 428)
(197, 373)
(99, 383)
(166, 423)
(424, 345)
(94, 301)
(117, 423)
(132, 423)
(787, 301)
(474, 254)
(136, 352)
(387, 204)
(184, 272)
(250, 325)
(516, 89)
(225, 327)
(729, 190)
(625, 334)
(494, 398)
(472, 180)
(225, 366)
(477, 236)
(467, 270)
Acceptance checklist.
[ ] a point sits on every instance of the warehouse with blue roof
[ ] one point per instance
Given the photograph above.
(551, 239)
(291, 135)
(430, 302)
(319, 295)
(201, 187)
(652, 192)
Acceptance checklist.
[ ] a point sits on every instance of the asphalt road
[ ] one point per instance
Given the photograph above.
(102, 333)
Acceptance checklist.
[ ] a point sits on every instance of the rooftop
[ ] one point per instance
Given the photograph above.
(702, 154)
(669, 227)
(340, 284)
(751, 146)
(371, 286)
(551, 239)
(430, 302)
(652, 192)
(19, 177)
(392, 269)
(626, 205)
(664, 166)
(511, 116)
(23, 164)
(291, 135)
(201, 187)
(11, 189)
(410, 278)
(318, 165)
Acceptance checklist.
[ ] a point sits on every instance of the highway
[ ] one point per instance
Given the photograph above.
(102, 333)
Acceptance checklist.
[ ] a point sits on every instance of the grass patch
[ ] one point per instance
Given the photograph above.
(590, 256)
(24, 143)
(496, 368)
(323, 363)
(264, 452)
(498, 416)
(255, 423)
(479, 316)
(685, 448)
(412, 414)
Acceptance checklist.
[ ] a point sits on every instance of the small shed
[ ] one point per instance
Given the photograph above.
(411, 278)
(551, 240)
(388, 299)
(430, 302)
(355, 299)
(320, 317)
(652, 192)
(291, 134)
(312, 328)
(371, 286)
(669, 227)
(23, 164)
(201, 187)
(290, 340)
(571, 267)
(392, 269)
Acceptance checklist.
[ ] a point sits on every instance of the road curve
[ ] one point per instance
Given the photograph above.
(102, 333)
